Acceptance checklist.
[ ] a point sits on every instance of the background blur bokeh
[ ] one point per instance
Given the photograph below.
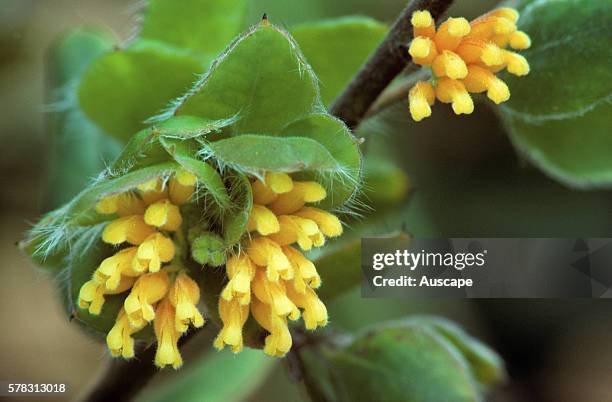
(468, 180)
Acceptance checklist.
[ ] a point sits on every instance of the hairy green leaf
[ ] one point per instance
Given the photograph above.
(344, 148)
(564, 130)
(122, 89)
(402, 362)
(337, 48)
(259, 153)
(185, 152)
(261, 78)
(486, 365)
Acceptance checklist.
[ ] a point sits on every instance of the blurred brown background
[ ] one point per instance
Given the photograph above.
(557, 351)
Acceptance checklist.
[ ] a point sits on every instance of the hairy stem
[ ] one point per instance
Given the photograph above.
(387, 61)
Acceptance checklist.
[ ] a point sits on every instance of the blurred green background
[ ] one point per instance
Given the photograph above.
(467, 178)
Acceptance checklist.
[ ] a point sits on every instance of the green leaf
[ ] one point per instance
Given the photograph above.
(385, 184)
(565, 129)
(184, 151)
(340, 268)
(337, 48)
(200, 26)
(52, 237)
(122, 89)
(262, 78)
(178, 40)
(236, 218)
(79, 148)
(218, 377)
(402, 362)
(258, 153)
(344, 148)
(191, 126)
(86, 254)
(486, 365)
(574, 151)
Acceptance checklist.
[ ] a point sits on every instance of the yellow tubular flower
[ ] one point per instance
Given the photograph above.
(302, 192)
(279, 341)
(164, 215)
(451, 32)
(166, 296)
(480, 79)
(423, 50)
(464, 57)
(131, 229)
(155, 250)
(123, 204)
(185, 295)
(240, 271)
(315, 313)
(267, 253)
(234, 315)
(453, 91)
(167, 336)
(423, 24)
(153, 190)
(305, 273)
(91, 294)
(272, 276)
(273, 293)
(421, 97)
(279, 183)
(148, 290)
(262, 220)
(119, 338)
(296, 229)
(111, 270)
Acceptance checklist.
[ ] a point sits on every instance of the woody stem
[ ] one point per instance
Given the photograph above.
(388, 60)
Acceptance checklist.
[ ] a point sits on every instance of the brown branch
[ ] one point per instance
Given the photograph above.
(387, 61)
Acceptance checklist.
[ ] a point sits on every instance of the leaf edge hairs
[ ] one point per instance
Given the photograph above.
(464, 58)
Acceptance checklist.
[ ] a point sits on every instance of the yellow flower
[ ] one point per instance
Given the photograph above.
(91, 294)
(185, 295)
(279, 341)
(464, 57)
(272, 276)
(148, 290)
(240, 271)
(164, 295)
(164, 215)
(131, 229)
(119, 339)
(155, 250)
(181, 187)
(234, 315)
(167, 336)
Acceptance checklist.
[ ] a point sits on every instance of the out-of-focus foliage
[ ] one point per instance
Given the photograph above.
(121, 90)
(421, 359)
(220, 377)
(350, 39)
(559, 114)
(80, 149)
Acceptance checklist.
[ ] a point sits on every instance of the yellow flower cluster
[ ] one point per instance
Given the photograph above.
(464, 57)
(163, 294)
(270, 278)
